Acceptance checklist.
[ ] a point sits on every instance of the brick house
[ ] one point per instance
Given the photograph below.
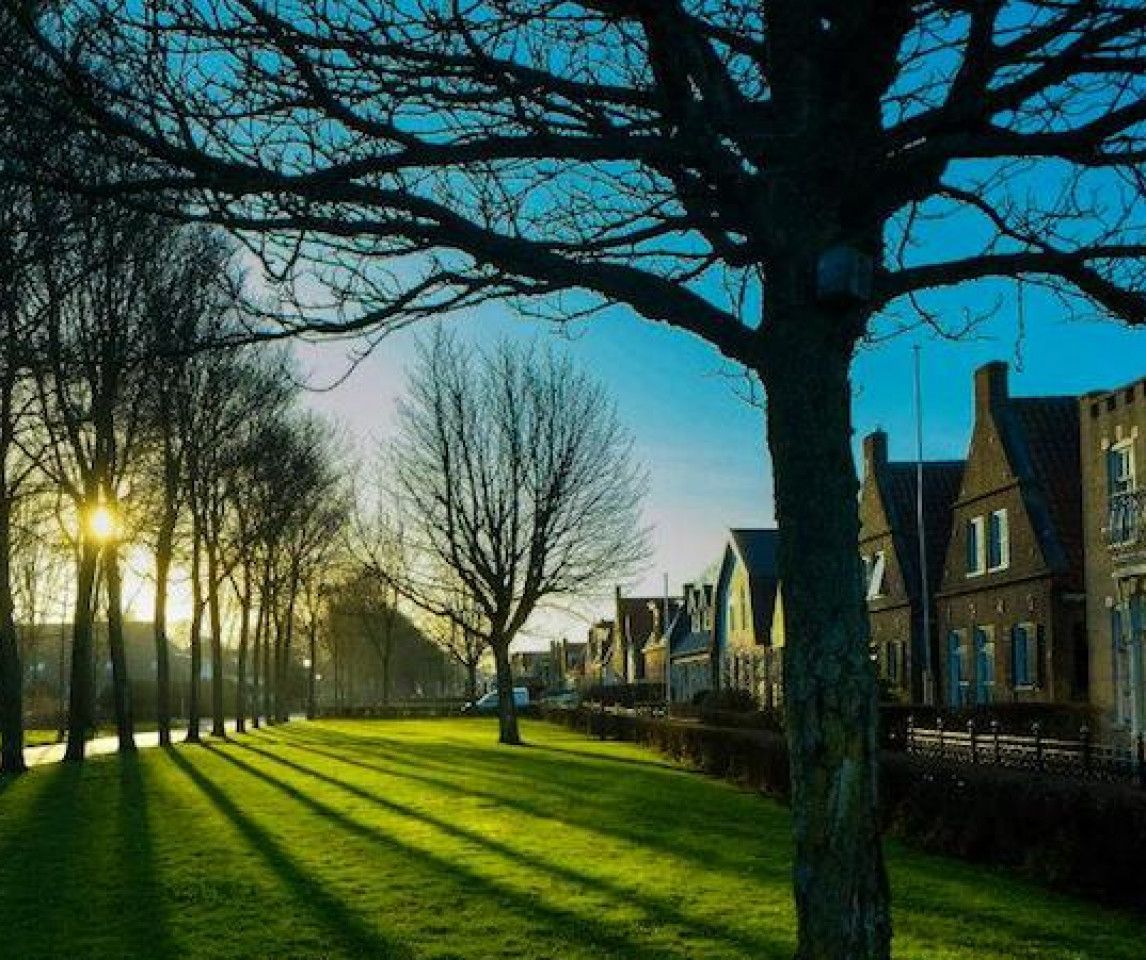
(889, 547)
(747, 654)
(1113, 450)
(1011, 606)
(638, 622)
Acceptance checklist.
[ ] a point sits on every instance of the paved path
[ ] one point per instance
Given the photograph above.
(54, 752)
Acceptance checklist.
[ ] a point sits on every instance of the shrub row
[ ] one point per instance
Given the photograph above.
(1086, 838)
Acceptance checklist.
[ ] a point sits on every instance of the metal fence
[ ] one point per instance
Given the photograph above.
(1080, 758)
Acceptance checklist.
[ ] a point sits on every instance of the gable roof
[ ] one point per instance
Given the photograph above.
(898, 483)
(1041, 436)
(758, 551)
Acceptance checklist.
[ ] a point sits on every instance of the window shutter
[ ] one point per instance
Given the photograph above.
(1040, 655)
(972, 547)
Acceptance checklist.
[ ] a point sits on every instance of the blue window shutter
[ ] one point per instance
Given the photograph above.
(972, 546)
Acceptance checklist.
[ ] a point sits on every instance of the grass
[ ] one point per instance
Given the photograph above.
(424, 839)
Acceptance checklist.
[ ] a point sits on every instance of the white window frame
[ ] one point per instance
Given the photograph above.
(1004, 540)
(877, 568)
(1130, 477)
(979, 525)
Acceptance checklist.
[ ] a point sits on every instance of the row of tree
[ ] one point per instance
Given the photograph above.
(121, 421)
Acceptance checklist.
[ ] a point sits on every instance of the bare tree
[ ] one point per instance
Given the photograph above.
(188, 307)
(514, 474)
(769, 175)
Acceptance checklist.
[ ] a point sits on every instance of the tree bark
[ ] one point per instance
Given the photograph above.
(214, 585)
(193, 690)
(81, 687)
(244, 643)
(120, 682)
(841, 891)
(506, 707)
(163, 549)
(311, 673)
(11, 671)
(257, 678)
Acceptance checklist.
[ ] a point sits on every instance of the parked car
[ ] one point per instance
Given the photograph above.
(488, 703)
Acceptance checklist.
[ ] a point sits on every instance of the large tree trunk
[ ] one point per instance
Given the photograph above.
(214, 585)
(163, 548)
(82, 686)
(830, 692)
(120, 682)
(193, 690)
(11, 672)
(506, 708)
(312, 672)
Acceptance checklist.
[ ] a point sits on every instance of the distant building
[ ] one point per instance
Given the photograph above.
(1113, 442)
(570, 660)
(638, 622)
(748, 638)
(690, 643)
(889, 548)
(535, 668)
(1010, 607)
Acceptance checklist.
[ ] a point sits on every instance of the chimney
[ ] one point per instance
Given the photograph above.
(991, 389)
(874, 452)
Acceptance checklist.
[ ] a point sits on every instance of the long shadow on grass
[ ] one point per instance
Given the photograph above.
(76, 873)
(581, 805)
(1023, 929)
(657, 910)
(148, 925)
(588, 930)
(345, 926)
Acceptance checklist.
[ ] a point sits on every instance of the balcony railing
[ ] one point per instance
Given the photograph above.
(1126, 530)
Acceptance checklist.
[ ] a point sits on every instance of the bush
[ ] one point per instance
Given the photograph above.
(1087, 838)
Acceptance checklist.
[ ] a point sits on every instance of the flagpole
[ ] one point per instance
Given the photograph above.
(928, 679)
(668, 648)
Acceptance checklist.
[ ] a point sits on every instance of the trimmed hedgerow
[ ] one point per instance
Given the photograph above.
(1089, 838)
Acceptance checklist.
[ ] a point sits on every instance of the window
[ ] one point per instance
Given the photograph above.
(984, 664)
(976, 547)
(998, 541)
(1024, 655)
(956, 670)
(875, 569)
(1124, 508)
(1120, 468)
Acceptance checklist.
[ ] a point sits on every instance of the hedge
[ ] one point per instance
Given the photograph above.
(1084, 838)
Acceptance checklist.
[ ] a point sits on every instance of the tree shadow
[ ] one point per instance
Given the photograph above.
(597, 802)
(147, 925)
(587, 930)
(657, 910)
(345, 925)
(77, 865)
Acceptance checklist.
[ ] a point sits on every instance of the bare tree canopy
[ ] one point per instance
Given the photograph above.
(641, 151)
(514, 474)
(769, 175)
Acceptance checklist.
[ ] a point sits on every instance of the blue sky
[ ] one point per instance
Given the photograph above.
(703, 443)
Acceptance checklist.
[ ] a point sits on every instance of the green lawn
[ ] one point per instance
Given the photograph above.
(425, 839)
